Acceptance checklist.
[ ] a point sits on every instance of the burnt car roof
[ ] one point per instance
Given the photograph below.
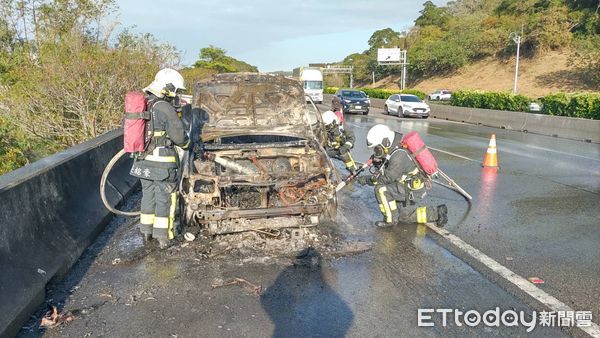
(251, 104)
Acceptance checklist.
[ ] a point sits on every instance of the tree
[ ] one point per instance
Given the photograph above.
(212, 54)
(216, 59)
(384, 38)
(67, 83)
(432, 15)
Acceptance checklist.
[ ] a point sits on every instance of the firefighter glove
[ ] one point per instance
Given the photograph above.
(346, 147)
(365, 180)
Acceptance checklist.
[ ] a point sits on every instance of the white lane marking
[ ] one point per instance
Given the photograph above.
(520, 282)
(562, 152)
(453, 154)
(430, 127)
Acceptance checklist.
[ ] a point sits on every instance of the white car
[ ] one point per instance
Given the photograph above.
(405, 105)
(440, 95)
(534, 106)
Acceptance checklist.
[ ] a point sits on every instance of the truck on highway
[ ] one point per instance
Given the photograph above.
(312, 82)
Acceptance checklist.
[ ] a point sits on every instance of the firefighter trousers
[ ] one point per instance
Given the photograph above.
(345, 156)
(159, 205)
(396, 207)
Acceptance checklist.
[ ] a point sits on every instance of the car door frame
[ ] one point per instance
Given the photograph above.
(394, 105)
(399, 109)
(388, 103)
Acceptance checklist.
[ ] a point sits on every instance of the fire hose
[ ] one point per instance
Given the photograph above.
(450, 183)
(104, 181)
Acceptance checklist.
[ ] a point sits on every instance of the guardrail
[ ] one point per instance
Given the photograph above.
(51, 211)
(557, 126)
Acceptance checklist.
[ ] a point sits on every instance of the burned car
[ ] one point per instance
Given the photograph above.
(259, 164)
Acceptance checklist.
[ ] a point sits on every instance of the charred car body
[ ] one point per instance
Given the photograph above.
(260, 158)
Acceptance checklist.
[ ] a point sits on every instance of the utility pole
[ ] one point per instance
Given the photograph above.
(373, 78)
(403, 77)
(517, 39)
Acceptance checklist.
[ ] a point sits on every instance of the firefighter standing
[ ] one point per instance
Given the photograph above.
(339, 140)
(398, 181)
(157, 166)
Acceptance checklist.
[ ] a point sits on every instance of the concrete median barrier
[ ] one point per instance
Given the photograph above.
(51, 211)
(558, 126)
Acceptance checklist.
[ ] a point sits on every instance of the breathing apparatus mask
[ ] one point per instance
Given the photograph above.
(379, 153)
(170, 92)
(171, 95)
(333, 125)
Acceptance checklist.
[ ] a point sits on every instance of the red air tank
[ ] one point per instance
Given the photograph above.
(419, 152)
(134, 128)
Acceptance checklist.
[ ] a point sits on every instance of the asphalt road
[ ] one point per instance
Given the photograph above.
(537, 216)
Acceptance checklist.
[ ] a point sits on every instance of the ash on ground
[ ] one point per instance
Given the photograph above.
(251, 246)
(286, 243)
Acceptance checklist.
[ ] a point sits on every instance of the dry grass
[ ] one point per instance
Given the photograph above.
(550, 73)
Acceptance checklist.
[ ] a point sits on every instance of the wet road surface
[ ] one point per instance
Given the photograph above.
(537, 216)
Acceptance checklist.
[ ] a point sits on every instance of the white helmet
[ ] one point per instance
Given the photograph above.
(329, 117)
(162, 79)
(380, 134)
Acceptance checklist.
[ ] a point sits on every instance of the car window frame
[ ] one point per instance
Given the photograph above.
(418, 98)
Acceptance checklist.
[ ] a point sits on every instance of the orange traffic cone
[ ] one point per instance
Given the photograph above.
(491, 156)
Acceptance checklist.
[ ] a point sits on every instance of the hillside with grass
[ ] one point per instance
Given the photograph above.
(550, 73)
(466, 45)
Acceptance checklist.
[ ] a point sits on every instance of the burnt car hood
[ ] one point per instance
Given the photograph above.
(251, 104)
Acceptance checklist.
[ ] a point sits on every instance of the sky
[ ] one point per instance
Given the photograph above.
(270, 34)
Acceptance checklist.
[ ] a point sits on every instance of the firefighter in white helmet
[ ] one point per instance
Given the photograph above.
(339, 140)
(157, 167)
(399, 185)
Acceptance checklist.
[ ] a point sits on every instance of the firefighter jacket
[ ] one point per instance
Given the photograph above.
(338, 136)
(399, 168)
(165, 130)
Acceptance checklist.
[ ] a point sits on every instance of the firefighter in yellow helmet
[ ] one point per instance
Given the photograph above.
(399, 186)
(157, 167)
(339, 140)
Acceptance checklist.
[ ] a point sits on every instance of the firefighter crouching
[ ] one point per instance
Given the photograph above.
(399, 185)
(339, 140)
(157, 166)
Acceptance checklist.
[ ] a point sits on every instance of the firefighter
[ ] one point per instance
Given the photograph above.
(399, 185)
(339, 140)
(157, 166)
(338, 111)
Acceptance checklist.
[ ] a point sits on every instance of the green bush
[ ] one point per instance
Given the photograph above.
(581, 105)
(380, 93)
(491, 100)
(12, 147)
